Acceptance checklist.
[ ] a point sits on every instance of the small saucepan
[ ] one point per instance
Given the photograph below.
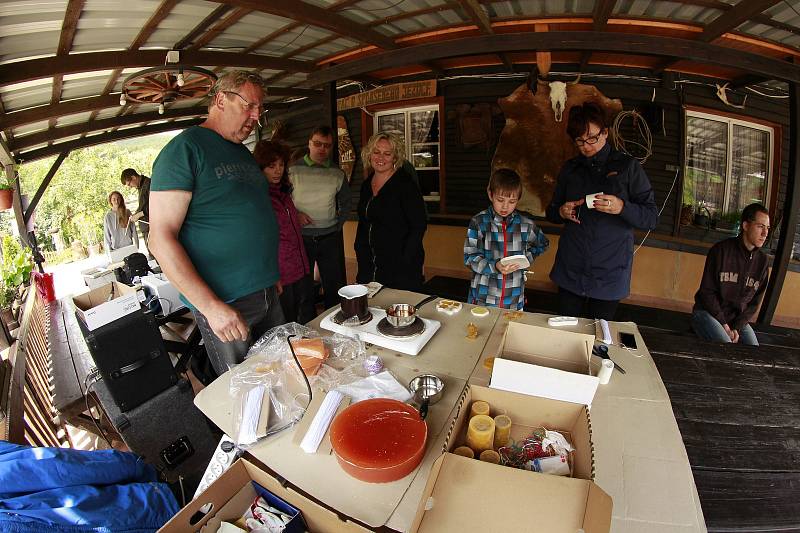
(401, 315)
(427, 389)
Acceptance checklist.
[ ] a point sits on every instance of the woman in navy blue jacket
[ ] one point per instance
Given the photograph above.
(595, 251)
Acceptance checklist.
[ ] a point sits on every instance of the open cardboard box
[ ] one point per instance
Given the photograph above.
(470, 495)
(229, 496)
(545, 362)
(106, 304)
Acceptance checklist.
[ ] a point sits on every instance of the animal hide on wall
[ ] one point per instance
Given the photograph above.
(534, 144)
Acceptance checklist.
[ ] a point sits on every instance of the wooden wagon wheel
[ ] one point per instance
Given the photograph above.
(160, 85)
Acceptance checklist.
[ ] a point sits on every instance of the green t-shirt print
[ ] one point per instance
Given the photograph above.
(230, 231)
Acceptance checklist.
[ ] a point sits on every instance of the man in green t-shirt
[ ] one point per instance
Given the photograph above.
(212, 227)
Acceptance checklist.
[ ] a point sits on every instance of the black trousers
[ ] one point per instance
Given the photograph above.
(297, 300)
(571, 304)
(327, 251)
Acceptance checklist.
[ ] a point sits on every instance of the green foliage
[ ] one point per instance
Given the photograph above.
(77, 198)
(16, 269)
(5, 183)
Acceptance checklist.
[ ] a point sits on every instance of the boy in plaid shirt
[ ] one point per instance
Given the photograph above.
(498, 232)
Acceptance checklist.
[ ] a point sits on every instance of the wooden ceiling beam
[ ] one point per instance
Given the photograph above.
(6, 157)
(740, 13)
(744, 81)
(94, 140)
(267, 38)
(204, 24)
(292, 91)
(35, 139)
(600, 15)
(219, 27)
(322, 18)
(725, 23)
(68, 27)
(474, 11)
(563, 40)
(161, 12)
(45, 67)
(45, 112)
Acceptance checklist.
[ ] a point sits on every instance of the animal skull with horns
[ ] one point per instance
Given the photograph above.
(558, 95)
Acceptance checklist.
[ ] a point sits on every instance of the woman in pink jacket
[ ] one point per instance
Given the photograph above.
(297, 298)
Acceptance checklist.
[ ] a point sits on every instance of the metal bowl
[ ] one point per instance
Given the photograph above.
(401, 315)
(426, 387)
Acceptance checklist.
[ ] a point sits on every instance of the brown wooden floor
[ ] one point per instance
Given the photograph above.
(738, 409)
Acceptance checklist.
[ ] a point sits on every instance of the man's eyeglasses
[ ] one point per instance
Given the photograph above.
(248, 106)
(320, 144)
(588, 140)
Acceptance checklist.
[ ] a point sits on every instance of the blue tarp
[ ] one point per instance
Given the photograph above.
(59, 490)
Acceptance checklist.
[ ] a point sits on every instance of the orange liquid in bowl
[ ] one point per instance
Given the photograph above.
(379, 440)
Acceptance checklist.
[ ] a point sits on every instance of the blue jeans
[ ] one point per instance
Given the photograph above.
(261, 310)
(707, 327)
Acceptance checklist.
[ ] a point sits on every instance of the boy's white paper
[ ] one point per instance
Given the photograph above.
(520, 260)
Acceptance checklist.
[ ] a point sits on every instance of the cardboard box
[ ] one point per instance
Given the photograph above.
(545, 362)
(97, 277)
(105, 304)
(229, 496)
(470, 495)
(115, 256)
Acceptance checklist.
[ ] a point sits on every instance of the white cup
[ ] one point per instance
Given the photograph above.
(590, 199)
(606, 368)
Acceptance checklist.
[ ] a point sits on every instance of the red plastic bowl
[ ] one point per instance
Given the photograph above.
(379, 440)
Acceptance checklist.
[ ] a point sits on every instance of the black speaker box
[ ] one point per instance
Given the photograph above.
(167, 431)
(130, 355)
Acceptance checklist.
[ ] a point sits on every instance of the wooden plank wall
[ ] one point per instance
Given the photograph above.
(299, 125)
(467, 169)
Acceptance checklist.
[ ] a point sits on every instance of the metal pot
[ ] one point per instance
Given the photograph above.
(354, 301)
(427, 389)
(401, 315)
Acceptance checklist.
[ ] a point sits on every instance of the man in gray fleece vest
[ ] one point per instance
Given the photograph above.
(322, 197)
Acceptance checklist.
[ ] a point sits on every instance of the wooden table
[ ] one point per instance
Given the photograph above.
(738, 409)
(640, 459)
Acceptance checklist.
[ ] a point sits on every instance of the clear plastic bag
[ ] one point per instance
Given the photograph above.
(270, 380)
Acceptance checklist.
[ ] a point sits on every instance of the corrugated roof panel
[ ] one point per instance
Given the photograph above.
(368, 12)
(326, 49)
(25, 31)
(783, 13)
(253, 27)
(184, 16)
(83, 88)
(30, 96)
(292, 40)
(425, 22)
(108, 112)
(294, 79)
(110, 24)
(34, 127)
(77, 118)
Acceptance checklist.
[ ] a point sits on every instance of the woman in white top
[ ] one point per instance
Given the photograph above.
(117, 228)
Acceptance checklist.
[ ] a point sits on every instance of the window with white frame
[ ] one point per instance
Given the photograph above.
(728, 164)
(418, 127)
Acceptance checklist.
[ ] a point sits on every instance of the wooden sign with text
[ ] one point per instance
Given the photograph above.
(389, 93)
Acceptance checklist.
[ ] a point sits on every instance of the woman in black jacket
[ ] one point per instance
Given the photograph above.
(391, 218)
(595, 252)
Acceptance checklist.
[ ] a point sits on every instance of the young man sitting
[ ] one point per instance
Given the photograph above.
(734, 280)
